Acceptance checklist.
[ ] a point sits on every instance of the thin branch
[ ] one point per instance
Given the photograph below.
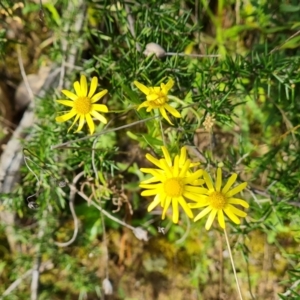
(233, 267)
(191, 55)
(278, 47)
(101, 133)
(71, 205)
(23, 73)
(18, 281)
(139, 232)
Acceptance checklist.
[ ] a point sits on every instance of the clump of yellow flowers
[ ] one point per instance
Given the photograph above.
(173, 182)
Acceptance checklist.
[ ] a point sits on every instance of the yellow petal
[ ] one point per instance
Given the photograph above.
(164, 114)
(66, 102)
(221, 219)
(152, 97)
(185, 207)
(90, 123)
(166, 206)
(75, 120)
(175, 210)
(148, 193)
(151, 186)
(150, 180)
(172, 110)
(99, 117)
(203, 213)
(166, 87)
(232, 216)
(77, 88)
(236, 190)
(66, 117)
(154, 173)
(83, 86)
(154, 203)
(210, 219)
(199, 204)
(167, 155)
(176, 166)
(195, 197)
(238, 201)
(236, 211)
(196, 189)
(144, 104)
(99, 107)
(219, 180)
(98, 96)
(166, 168)
(81, 123)
(194, 176)
(69, 94)
(154, 160)
(185, 168)
(141, 87)
(93, 87)
(229, 183)
(149, 108)
(208, 180)
(163, 198)
(182, 157)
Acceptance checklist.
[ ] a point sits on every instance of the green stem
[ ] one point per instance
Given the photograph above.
(233, 267)
(162, 133)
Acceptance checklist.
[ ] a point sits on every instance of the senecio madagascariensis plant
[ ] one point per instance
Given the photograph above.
(172, 182)
(83, 104)
(220, 200)
(157, 98)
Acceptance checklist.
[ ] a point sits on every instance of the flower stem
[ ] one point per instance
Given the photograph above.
(162, 133)
(233, 267)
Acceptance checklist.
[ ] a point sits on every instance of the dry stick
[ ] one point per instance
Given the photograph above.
(35, 273)
(101, 213)
(140, 233)
(43, 223)
(71, 205)
(131, 27)
(289, 291)
(10, 162)
(191, 55)
(278, 47)
(81, 194)
(233, 267)
(72, 51)
(23, 73)
(18, 281)
(37, 264)
(101, 133)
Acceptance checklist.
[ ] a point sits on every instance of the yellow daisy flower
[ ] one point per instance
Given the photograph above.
(219, 200)
(83, 104)
(157, 97)
(172, 182)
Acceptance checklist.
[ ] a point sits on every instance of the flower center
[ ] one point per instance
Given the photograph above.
(82, 105)
(160, 100)
(217, 200)
(173, 187)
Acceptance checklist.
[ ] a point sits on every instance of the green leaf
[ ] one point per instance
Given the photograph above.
(289, 8)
